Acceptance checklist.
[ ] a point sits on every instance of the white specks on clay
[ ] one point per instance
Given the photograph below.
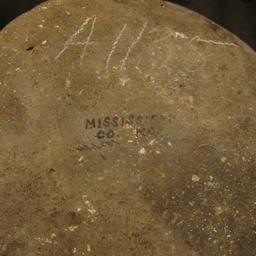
(168, 233)
(218, 210)
(71, 228)
(67, 83)
(195, 178)
(43, 241)
(127, 126)
(149, 78)
(138, 68)
(44, 42)
(80, 160)
(123, 81)
(142, 151)
(100, 178)
(97, 72)
(90, 207)
(192, 203)
(163, 175)
(152, 142)
(223, 159)
(53, 235)
(88, 248)
(81, 92)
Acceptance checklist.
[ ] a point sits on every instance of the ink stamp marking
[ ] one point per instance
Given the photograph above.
(141, 125)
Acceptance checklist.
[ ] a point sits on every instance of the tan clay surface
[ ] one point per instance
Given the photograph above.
(126, 128)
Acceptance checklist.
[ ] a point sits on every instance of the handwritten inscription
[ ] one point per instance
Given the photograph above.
(73, 41)
(115, 45)
(142, 125)
(124, 60)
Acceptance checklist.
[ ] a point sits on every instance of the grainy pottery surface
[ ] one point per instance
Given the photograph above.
(126, 128)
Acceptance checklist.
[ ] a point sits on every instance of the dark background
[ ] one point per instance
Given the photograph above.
(238, 16)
